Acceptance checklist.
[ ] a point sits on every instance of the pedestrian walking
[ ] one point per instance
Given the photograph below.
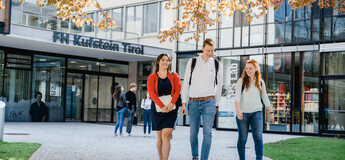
(146, 106)
(121, 107)
(250, 93)
(164, 88)
(132, 107)
(203, 82)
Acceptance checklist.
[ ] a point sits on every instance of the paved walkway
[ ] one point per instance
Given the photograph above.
(90, 141)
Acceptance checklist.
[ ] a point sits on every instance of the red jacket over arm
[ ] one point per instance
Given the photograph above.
(152, 87)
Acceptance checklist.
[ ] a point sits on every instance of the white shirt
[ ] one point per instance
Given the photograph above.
(146, 104)
(203, 80)
(250, 100)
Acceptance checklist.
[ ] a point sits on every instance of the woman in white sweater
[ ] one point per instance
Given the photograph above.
(249, 108)
(146, 106)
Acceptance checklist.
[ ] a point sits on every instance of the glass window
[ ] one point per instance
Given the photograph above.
(104, 99)
(316, 10)
(278, 81)
(302, 31)
(259, 20)
(48, 78)
(101, 33)
(64, 26)
(16, 13)
(210, 34)
(227, 22)
(275, 33)
(118, 18)
(257, 35)
(288, 32)
(151, 18)
(114, 68)
(237, 38)
(76, 30)
(334, 63)
(238, 19)
(303, 13)
(327, 12)
(90, 97)
(201, 40)
(279, 15)
(245, 36)
(227, 111)
(145, 69)
(334, 105)
(226, 36)
(89, 30)
(31, 13)
(18, 61)
(185, 46)
(166, 23)
(326, 29)
(310, 92)
(339, 27)
(83, 65)
(182, 65)
(316, 29)
(134, 20)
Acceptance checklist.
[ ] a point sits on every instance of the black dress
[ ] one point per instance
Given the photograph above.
(163, 120)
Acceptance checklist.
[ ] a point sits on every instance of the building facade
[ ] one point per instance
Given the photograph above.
(77, 68)
(302, 58)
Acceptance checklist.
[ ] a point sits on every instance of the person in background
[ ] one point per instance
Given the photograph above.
(121, 107)
(146, 106)
(249, 108)
(162, 83)
(132, 106)
(38, 110)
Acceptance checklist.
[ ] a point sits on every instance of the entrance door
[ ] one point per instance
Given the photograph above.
(74, 97)
(333, 105)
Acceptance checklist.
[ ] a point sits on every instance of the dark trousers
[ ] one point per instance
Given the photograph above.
(130, 121)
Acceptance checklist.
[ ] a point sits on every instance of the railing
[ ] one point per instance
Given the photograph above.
(55, 24)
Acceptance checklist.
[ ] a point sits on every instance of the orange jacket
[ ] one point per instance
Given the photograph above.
(152, 87)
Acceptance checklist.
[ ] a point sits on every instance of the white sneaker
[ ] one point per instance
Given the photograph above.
(144, 134)
(148, 135)
(115, 134)
(128, 135)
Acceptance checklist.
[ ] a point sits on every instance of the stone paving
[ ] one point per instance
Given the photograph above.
(94, 141)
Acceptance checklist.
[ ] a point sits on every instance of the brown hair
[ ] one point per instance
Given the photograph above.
(132, 85)
(117, 92)
(158, 59)
(245, 77)
(208, 41)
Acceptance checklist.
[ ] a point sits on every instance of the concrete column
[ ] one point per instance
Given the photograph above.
(2, 119)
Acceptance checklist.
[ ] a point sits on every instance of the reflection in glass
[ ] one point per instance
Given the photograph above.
(334, 108)
(227, 22)
(90, 98)
(114, 68)
(83, 65)
(75, 29)
(144, 69)
(326, 28)
(104, 99)
(182, 65)
(151, 18)
(310, 92)
(302, 31)
(339, 27)
(48, 78)
(245, 36)
(278, 82)
(74, 97)
(64, 26)
(334, 63)
(316, 29)
(118, 18)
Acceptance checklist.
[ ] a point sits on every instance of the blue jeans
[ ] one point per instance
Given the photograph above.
(255, 121)
(130, 120)
(147, 120)
(196, 109)
(120, 119)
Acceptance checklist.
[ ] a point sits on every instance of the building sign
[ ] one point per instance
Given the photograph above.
(91, 42)
(5, 18)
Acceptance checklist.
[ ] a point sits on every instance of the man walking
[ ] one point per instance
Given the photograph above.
(203, 81)
(132, 106)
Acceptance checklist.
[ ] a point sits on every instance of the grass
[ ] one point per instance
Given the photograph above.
(306, 148)
(17, 150)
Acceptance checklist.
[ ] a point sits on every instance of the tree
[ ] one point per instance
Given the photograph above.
(197, 14)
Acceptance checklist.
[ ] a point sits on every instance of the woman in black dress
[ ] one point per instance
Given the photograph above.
(161, 83)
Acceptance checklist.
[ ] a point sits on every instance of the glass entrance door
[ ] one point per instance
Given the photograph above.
(333, 105)
(74, 97)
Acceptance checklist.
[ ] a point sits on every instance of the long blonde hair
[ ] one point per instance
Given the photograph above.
(246, 79)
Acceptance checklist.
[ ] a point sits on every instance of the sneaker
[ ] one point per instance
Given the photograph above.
(115, 134)
(128, 135)
(144, 134)
(121, 134)
(149, 135)
(195, 158)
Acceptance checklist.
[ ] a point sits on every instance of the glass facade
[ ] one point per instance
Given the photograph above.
(72, 89)
(282, 26)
